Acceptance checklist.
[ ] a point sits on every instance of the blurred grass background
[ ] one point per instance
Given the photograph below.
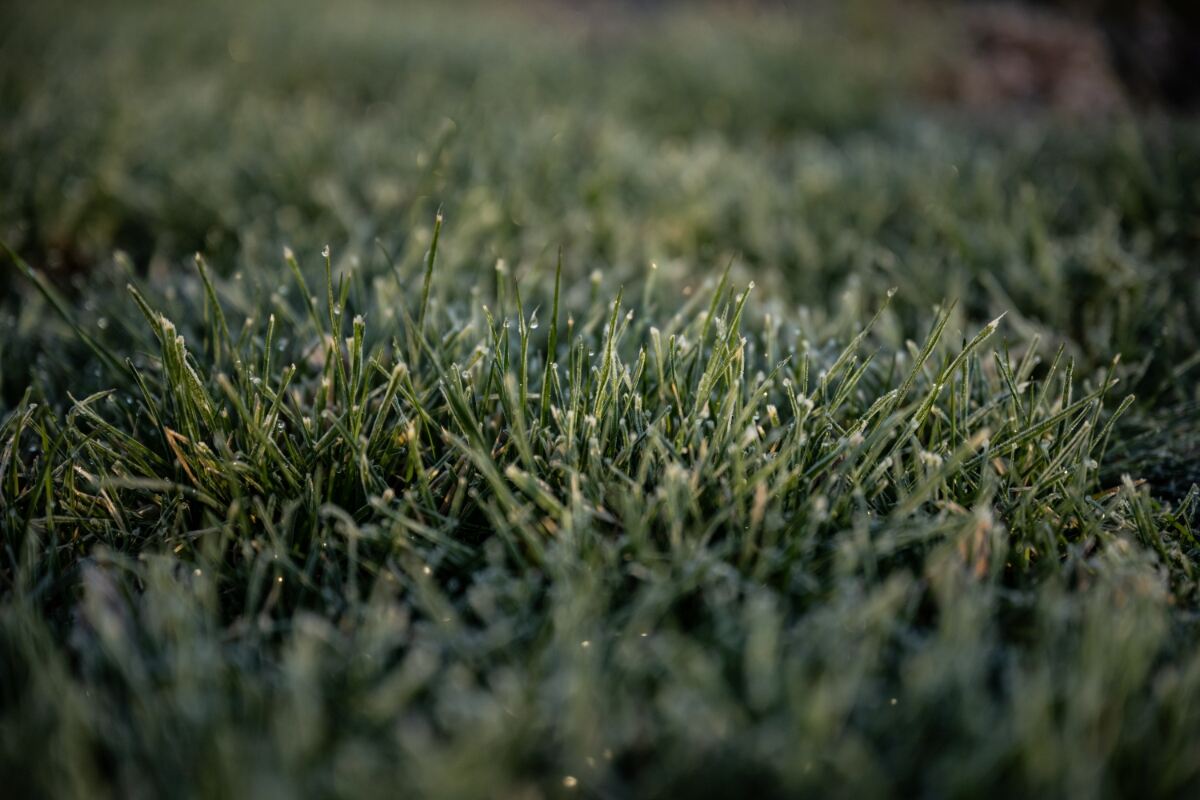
(837, 149)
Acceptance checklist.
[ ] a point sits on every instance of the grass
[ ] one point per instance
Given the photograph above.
(583, 414)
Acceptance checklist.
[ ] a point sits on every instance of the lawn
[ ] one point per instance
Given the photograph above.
(534, 400)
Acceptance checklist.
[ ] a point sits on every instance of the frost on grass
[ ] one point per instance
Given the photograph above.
(425, 504)
(390, 536)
